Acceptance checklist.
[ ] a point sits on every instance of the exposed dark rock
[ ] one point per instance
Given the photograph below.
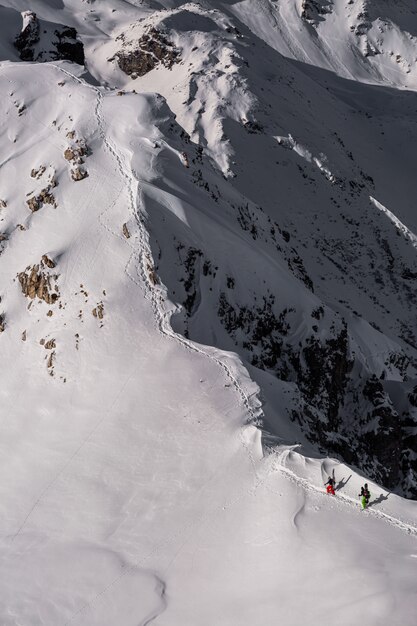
(313, 10)
(67, 46)
(98, 311)
(78, 173)
(60, 43)
(152, 49)
(385, 439)
(48, 262)
(44, 197)
(36, 282)
(29, 36)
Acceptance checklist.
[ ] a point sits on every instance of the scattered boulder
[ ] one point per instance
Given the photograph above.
(126, 231)
(36, 282)
(75, 153)
(23, 336)
(37, 173)
(48, 262)
(153, 276)
(44, 197)
(78, 173)
(50, 362)
(33, 204)
(98, 311)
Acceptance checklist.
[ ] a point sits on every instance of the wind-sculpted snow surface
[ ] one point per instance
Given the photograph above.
(291, 282)
(207, 255)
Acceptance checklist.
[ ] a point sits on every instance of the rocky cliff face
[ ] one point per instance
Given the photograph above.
(282, 227)
(43, 41)
(311, 266)
(314, 11)
(152, 48)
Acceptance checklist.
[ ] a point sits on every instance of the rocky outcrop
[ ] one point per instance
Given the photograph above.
(370, 434)
(44, 197)
(67, 46)
(2, 324)
(78, 173)
(77, 151)
(43, 41)
(385, 438)
(38, 282)
(48, 262)
(98, 311)
(29, 37)
(76, 154)
(126, 232)
(38, 172)
(313, 10)
(153, 48)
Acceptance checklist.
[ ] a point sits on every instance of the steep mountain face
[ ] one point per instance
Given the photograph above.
(304, 182)
(207, 287)
(312, 280)
(40, 41)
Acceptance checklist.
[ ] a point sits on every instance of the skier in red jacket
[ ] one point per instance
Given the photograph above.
(330, 486)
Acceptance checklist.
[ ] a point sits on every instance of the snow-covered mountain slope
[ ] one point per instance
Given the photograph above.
(207, 292)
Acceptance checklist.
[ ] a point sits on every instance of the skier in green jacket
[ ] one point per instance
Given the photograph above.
(365, 496)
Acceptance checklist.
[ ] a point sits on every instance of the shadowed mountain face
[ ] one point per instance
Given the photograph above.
(295, 245)
(302, 270)
(308, 267)
(208, 281)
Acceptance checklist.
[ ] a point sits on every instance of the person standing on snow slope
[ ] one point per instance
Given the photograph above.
(365, 495)
(330, 486)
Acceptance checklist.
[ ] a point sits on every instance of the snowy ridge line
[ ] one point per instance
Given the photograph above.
(163, 315)
(308, 486)
(102, 420)
(408, 234)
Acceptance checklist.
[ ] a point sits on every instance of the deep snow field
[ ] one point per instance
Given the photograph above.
(158, 463)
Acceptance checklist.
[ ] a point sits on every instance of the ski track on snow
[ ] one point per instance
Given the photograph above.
(141, 256)
(162, 315)
(277, 466)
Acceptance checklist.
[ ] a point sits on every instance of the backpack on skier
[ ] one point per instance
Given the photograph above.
(330, 486)
(365, 496)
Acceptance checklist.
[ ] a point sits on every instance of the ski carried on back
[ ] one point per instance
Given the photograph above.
(365, 496)
(331, 482)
